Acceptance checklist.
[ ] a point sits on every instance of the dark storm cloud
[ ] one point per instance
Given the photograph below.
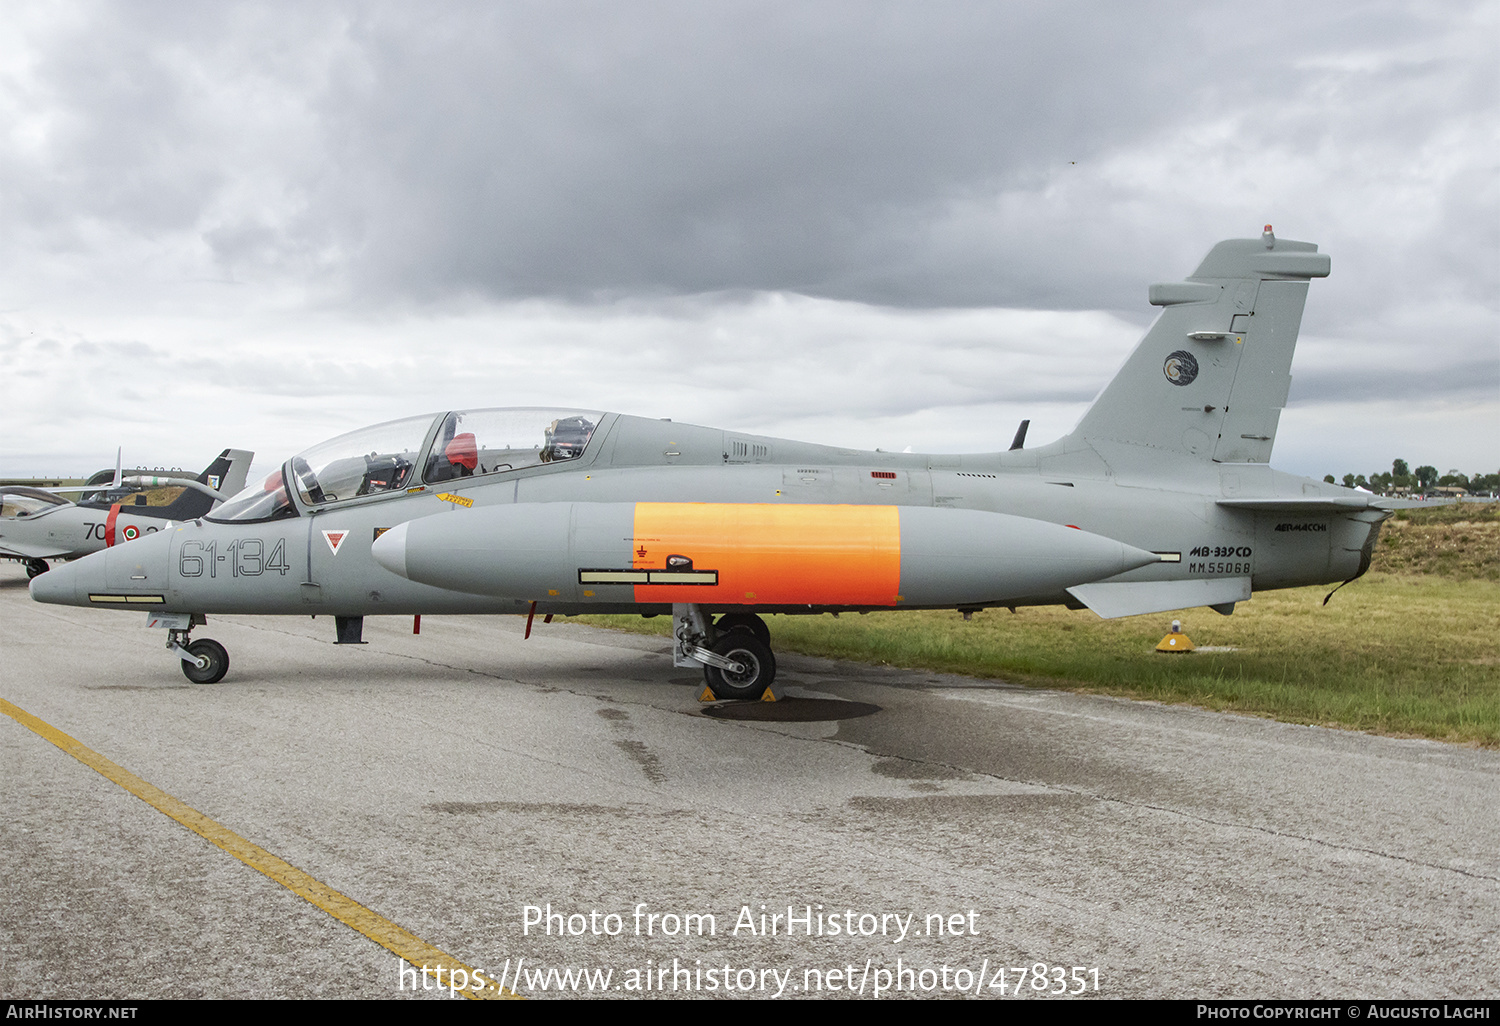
(852, 150)
(841, 150)
(689, 147)
(346, 208)
(829, 149)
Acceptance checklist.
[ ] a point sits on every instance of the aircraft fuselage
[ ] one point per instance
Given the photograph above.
(320, 561)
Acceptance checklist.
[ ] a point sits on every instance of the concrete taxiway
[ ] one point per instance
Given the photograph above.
(449, 781)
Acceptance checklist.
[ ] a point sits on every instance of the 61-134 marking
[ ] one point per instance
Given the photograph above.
(246, 558)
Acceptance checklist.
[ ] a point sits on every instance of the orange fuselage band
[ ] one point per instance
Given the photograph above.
(772, 555)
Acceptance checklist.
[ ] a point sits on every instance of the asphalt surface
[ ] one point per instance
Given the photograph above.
(450, 780)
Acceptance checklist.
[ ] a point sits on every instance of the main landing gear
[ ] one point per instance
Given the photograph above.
(734, 651)
(36, 567)
(204, 661)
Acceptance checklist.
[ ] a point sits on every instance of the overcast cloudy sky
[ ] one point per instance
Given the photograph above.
(872, 224)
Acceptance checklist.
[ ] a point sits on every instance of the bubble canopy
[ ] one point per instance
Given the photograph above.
(20, 501)
(402, 454)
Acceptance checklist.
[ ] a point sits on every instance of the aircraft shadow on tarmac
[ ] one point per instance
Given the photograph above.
(792, 710)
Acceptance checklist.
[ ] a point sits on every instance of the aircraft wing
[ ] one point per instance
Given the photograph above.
(30, 550)
(1122, 598)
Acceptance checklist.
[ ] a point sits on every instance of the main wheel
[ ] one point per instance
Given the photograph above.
(744, 622)
(36, 567)
(758, 662)
(218, 662)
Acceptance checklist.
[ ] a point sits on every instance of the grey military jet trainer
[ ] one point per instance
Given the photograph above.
(1160, 499)
(37, 525)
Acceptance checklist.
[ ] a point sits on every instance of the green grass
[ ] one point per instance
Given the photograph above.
(1408, 654)
(1461, 541)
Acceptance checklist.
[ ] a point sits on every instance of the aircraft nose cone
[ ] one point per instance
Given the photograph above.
(389, 550)
(123, 576)
(59, 585)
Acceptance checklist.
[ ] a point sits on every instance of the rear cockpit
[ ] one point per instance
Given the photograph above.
(478, 442)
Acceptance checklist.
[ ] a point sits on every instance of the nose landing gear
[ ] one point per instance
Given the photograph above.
(209, 661)
(204, 661)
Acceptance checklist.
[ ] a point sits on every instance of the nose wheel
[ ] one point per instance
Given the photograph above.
(204, 661)
(210, 662)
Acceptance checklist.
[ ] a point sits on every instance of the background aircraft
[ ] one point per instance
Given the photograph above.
(1160, 499)
(37, 525)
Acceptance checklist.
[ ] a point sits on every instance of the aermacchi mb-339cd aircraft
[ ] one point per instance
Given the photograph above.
(1160, 499)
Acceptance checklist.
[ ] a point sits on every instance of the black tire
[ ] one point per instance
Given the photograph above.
(36, 567)
(218, 662)
(744, 622)
(760, 666)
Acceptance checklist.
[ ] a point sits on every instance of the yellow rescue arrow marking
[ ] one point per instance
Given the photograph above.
(457, 500)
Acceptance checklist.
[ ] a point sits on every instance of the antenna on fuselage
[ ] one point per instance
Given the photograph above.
(1020, 438)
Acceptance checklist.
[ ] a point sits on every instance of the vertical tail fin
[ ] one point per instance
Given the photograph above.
(233, 480)
(1210, 378)
(225, 475)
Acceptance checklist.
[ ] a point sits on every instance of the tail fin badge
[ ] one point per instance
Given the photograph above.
(1181, 368)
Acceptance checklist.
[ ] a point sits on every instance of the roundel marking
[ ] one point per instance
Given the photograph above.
(1181, 367)
(132, 532)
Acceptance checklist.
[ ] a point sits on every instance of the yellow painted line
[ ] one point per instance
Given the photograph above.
(345, 909)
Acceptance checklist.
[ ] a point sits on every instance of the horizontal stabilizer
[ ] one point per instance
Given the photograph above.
(1293, 504)
(1409, 503)
(1123, 598)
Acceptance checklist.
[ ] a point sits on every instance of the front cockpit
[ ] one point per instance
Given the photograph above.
(402, 455)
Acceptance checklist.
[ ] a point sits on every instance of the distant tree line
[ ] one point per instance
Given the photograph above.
(1402, 477)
